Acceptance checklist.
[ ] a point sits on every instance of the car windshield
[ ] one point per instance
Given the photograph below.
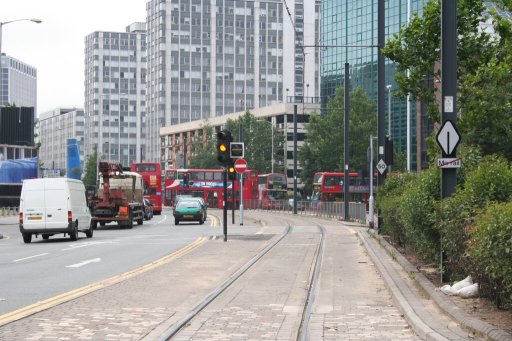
(188, 204)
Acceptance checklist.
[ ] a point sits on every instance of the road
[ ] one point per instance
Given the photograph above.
(46, 268)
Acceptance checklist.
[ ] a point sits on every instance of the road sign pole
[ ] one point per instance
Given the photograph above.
(224, 202)
(241, 199)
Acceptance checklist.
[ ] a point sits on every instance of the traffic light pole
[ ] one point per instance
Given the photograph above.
(224, 201)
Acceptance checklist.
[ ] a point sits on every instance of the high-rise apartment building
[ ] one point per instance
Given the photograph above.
(208, 58)
(18, 84)
(54, 128)
(115, 94)
(353, 23)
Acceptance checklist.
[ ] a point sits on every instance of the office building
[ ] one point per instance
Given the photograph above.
(209, 58)
(115, 94)
(280, 116)
(18, 83)
(354, 23)
(53, 129)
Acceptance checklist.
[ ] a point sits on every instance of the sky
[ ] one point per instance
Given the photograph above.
(56, 46)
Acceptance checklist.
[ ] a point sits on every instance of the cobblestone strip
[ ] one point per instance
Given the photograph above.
(267, 302)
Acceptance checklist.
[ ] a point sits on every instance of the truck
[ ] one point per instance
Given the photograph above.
(119, 197)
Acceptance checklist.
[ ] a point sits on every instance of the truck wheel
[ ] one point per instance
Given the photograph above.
(102, 223)
(89, 232)
(94, 225)
(201, 222)
(176, 222)
(140, 221)
(27, 237)
(74, 233)
(46, 236)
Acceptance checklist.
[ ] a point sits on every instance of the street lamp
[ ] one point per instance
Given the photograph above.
(37, 21)
(389, 86)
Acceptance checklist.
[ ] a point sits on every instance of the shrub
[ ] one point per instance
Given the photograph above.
(486, 183)
(490, 249)
(417, 213)
(388, 200)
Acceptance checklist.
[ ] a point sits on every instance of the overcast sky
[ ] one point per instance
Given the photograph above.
(56, 46)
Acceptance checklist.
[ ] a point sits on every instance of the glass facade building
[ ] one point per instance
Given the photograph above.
(115, 94)
(209, 58)
(348, 32)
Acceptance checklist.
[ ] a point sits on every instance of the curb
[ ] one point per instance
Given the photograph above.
(445, 304)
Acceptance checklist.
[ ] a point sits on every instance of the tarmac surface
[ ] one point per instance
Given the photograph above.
(367, 291)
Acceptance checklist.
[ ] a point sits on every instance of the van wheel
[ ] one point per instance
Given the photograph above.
(74, 233)
(27, 237)
(89, 232)
(46, 236)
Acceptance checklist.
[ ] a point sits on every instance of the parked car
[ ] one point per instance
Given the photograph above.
(148, 209)
(189, 210)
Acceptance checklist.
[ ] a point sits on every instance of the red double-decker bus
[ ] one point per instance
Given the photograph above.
(329, 187)
(208, 184)
(152, 176)
(272, 191)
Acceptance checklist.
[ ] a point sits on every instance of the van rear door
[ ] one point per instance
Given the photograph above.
(57, 204)
(33, 205)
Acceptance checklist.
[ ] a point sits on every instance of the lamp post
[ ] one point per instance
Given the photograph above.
(389, 117)
(37, 21)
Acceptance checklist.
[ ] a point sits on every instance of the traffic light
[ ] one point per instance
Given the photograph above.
(186, 182)
(388, 151)
(231, 170)
(224, 139)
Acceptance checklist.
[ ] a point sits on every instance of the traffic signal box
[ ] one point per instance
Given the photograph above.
(231, 170)
(388, 151)
(186, 180)
(224, 139)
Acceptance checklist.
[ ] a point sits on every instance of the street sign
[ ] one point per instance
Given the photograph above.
(240, 165)
(237, 150)
(448, 163)
(448, 137)
(381, 166)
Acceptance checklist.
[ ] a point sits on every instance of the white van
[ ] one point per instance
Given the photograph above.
(50, 206)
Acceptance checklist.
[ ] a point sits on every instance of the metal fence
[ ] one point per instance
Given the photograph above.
(335, 210)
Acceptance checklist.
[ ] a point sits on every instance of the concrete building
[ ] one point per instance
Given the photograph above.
(54, 128)
(18, 84)
(115, 94)
(209, 58)
(280, 115)
(354, 23)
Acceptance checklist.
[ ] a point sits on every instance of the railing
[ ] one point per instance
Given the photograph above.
(9, 211)
(335, 210)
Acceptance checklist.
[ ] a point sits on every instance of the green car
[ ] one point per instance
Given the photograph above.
(189, 210)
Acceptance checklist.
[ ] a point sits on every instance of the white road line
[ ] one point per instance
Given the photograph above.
(19, 260)
(164, 219)
(85, 262)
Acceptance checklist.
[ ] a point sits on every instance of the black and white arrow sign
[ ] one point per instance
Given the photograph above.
(448, 137)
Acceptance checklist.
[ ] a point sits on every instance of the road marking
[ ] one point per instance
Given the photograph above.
(67, 296)
(164, 219)
(85, 262)
(19, 260)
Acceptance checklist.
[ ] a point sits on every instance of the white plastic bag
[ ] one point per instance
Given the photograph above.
(462, 284)
(468, 291)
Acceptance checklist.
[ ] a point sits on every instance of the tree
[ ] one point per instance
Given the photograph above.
(89, 178)
(323, 147)
(417, 49)
(203, 146)
(258, 137)
(484, 61)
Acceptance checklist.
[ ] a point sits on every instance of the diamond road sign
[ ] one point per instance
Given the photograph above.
(381, 166)
(448, 137)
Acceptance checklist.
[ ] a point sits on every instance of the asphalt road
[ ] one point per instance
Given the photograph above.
(45, 268)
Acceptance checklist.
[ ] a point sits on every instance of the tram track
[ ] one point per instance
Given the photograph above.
(283, 246)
